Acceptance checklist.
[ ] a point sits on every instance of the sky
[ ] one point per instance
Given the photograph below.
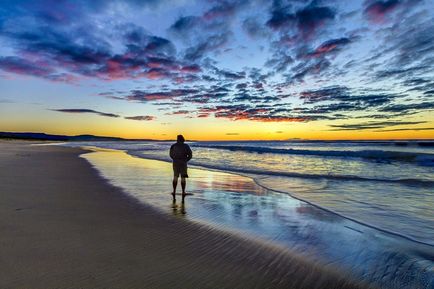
(218, 69)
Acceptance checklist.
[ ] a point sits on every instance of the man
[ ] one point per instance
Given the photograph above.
(180, 153)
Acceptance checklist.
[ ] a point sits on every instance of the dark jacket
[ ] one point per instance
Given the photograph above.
(180, 152)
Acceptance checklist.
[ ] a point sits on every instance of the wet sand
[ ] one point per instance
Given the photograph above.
(63, 226)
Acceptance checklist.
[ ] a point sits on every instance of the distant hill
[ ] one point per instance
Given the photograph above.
(53, 137)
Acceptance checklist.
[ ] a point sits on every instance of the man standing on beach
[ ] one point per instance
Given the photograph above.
(180, 153)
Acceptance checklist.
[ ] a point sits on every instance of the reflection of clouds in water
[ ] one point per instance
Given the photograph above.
(226, 182)
(318, 214)
(233, 202)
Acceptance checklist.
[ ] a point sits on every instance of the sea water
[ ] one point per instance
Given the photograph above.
(383, 184)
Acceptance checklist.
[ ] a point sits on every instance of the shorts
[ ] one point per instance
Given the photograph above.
(180, 169)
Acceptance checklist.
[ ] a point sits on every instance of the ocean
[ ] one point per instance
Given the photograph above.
(387, 185)
(363, 208)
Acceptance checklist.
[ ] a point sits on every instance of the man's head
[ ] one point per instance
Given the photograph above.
(180, 138)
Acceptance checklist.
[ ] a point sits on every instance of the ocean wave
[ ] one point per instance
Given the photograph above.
(256, 176)
(424, 159)
(401, 234)
(246, 171)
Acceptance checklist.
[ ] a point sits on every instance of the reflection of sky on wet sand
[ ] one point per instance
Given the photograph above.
(236, 203)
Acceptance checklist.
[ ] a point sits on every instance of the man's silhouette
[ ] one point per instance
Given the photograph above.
(180, 153)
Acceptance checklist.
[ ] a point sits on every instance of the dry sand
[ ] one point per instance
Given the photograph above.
(62, 226)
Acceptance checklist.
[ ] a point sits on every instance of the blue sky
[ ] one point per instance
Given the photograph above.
(286, 68)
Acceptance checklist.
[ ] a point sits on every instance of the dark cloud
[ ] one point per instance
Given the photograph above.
(346, 98)
(402, 72)
(307, 20)
(210, 44)
(280, 61)
(66, 12)
(208, 32)
(185, 24)
(406, 129)
(311, 18)
(230, 75)
(408, 48)
(340, 102)
(21, 66)
(373, 125)
(254, 28)
(224, 9)
(409, 107)
(377, 10)
(323, 94)
(79, 110)
(329, 47)
(309, 68)
(141, 117)
(64, 54)
(145, 96)
(179, 112)
(249, 112)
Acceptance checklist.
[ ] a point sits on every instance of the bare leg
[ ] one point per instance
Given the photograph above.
(174, 183)
(183, 183)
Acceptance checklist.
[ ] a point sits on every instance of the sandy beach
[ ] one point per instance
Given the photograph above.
(63, 226)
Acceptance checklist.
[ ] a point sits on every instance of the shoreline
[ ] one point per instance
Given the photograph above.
(220, 198)
(65, 226)
(243, 174)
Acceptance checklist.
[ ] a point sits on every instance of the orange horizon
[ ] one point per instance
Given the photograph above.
(232, 138)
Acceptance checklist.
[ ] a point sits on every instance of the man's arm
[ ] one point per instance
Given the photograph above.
(172, 153)
(189, 153)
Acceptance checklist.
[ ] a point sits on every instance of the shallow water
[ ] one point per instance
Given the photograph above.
(236, 203)
(381, 184)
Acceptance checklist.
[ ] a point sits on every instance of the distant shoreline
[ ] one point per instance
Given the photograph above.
(76, 138)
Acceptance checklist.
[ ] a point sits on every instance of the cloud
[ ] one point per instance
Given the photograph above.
(248, 112)
(306, 20)
(253, 60)
(377, 10)
(329, 47)
(311, 18)
(21, 66)
(145, 96)
(347, 100)
(372, 125)
(185, 24)
(302, 70)
(79, 110)
(408, 107)
(323, 94)
(224, 9)
(64, 54)
(254, 28)
(141, 117)
(406, 129)
(230, 75)
(179, 112)
(210, 44)
(232, 133)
